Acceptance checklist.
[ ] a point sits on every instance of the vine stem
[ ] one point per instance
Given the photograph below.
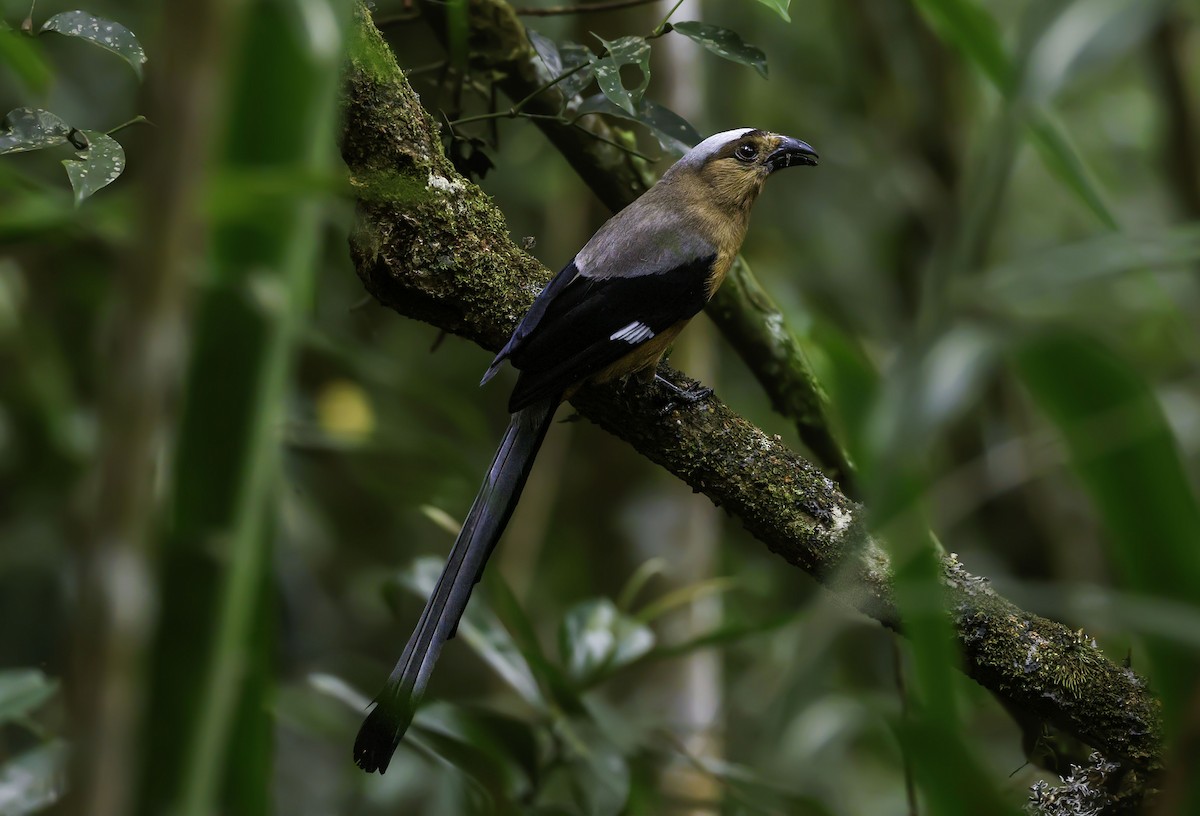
(515, 111)
(583, 8)
(139, 119)
(617, 145)
(511, 113)
(661, 28)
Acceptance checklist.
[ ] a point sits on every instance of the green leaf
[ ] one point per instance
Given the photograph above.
(1126, 456)
(649, 569)
(719, 636)
(480, 630)
(724, 43)
(20, 54)
(571, 59)
(491, 642)
(596, 638)
(686, 595)
(22, 691)
(973, 31)
(546, 50)
(944, 765)
(518, 624)
(750, 788)
(335, 688)
(209, 722)
(674, 133)
(600, 775)
(1069, 166)
(109, 35)
(1060, 271)
(1085, 37)
(31, 129)
(929, 386)
(96, 167)
(622, 52)
(497, 752)
(854, 386)
(34, 780)
(780, 7)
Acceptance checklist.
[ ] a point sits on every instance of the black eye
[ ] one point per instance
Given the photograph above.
(746, 152)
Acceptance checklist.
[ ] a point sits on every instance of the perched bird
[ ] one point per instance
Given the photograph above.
(613, 311)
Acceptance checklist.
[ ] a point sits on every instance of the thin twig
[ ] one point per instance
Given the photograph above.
(514, 113)
(137, 120)
(515, 110)
(511, 113)
(615, 144)
(425, 69)
(548, 85)
(661, 28)
(582, 8)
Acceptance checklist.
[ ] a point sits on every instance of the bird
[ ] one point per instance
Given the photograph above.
(611, 313)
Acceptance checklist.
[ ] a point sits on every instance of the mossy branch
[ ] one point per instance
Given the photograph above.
(432, 246)
(742, 310)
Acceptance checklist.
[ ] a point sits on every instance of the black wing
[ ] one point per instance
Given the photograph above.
(532, 317)
(580, 324)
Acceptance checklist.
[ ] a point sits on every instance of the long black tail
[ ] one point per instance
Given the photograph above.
(394, 707)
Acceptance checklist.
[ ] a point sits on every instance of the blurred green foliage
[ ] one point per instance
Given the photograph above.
(994, 270)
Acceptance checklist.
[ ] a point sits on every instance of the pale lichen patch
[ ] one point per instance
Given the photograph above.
(841, 519)
(443, 184)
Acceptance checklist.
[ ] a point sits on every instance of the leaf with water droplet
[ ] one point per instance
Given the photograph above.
(570, 61)
(31, 129)
(674, 133)
(724, 43)
(575, 55)
(96, 167)
(621, 52)
(109, 35)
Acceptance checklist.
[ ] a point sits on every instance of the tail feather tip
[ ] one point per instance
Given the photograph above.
(378, 737)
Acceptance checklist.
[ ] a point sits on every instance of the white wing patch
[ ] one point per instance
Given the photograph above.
(635, 332)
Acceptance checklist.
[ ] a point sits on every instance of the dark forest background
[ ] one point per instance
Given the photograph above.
(226, 473)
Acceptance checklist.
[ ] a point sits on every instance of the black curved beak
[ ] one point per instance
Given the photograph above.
(791, 152)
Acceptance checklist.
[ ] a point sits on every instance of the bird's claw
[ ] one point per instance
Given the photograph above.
(691, 395)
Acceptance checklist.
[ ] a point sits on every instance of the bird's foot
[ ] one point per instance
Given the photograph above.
(681, 396)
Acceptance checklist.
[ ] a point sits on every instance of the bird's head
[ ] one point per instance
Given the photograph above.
(733, 166)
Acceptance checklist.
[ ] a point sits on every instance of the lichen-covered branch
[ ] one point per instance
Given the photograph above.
(432, 246)
(741, 309)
